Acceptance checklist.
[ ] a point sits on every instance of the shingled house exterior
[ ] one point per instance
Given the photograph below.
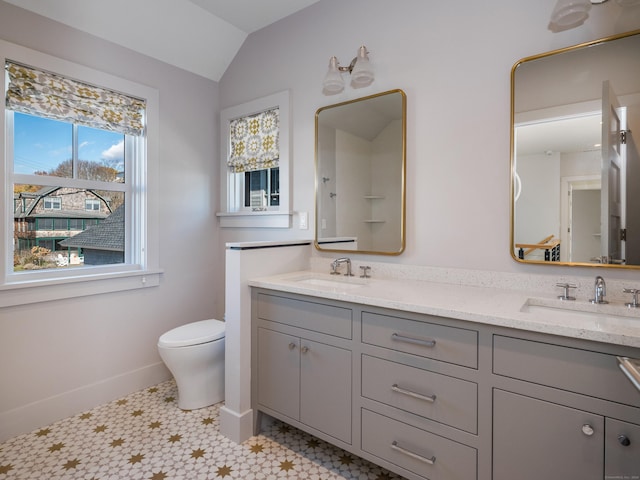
(49, 216)
(101, 244)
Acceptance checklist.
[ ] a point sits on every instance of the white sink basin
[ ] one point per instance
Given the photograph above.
(566, 310)
(331, 281)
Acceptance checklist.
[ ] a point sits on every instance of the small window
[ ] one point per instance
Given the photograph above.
(76, 224)
(92, 205)
(53, 203)
(262, 189)
(256, 163)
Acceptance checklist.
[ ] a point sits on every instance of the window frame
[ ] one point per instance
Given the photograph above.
(234, 213)
(94, 202)
(55, 203)
(141, 209)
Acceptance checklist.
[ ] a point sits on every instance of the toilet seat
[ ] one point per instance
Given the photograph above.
(194, 333)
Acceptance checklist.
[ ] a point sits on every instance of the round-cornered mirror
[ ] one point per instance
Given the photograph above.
(360, 175)
(575, 166)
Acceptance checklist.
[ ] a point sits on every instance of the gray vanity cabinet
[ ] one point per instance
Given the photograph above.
(534, 439)
(622, 449)
(306, 381)
(561, 424)
(437, 398)
(304, 374)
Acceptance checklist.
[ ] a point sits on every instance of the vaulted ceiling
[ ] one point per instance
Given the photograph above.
(201, 36)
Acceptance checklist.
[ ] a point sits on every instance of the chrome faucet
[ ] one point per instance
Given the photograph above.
(600, 291)
(339, 261)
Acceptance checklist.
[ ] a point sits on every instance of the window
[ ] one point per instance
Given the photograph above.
(52, 203)
(262, 189)
(78, 179)
(91, 204)
(256, 163)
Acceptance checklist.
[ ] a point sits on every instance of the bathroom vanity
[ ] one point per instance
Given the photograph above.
(447, 382)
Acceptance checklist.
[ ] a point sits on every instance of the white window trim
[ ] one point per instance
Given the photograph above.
(57, 201)
(55, 285)
(230, 193)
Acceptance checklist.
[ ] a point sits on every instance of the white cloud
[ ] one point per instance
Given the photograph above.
(114, 154)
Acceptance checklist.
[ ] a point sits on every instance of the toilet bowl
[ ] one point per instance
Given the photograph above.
(194, 354)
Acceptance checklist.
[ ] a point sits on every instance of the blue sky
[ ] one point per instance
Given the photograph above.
(41, 144)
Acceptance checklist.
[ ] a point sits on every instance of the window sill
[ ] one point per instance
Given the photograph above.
(35, 291)
(255, 219)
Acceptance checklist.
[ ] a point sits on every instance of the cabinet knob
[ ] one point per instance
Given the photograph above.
(304, 349)
(292, 346)
(624, 440)
(587, 429)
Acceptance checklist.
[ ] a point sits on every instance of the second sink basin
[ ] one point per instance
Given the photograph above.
(579, 310)
(331, 281)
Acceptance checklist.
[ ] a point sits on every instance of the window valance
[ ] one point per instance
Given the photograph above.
(46, 94)
(254, 141)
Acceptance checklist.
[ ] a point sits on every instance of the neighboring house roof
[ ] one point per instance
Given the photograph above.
(35, 197)
(107, 235)
(64, 214)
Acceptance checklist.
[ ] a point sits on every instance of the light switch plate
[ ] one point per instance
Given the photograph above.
(304, 220)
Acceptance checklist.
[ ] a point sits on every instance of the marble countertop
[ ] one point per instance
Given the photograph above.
(612, 323)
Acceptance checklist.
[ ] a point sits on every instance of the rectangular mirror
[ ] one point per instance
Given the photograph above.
(360, 175)
(575, 166)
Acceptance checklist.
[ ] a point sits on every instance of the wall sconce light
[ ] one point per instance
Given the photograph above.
(360, 69)
(572, 13)
(569, 14)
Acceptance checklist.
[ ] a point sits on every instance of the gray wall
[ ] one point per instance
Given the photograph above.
(74, 354)
(453, 60)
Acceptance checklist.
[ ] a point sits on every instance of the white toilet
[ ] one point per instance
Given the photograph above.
(194, 353)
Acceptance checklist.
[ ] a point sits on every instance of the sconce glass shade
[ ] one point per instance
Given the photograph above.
(362, 73)
(333, 82)
(569, 13)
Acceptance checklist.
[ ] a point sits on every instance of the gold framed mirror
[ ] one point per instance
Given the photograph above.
(575, 166)
(360, 159)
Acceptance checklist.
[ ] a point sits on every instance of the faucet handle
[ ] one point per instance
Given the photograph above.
(634, 303)
(565, 295)
(365, 271)
(334, 268)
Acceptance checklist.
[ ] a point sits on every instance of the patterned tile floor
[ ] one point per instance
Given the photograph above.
(145, 436)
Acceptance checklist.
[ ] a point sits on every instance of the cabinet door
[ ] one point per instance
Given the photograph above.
(325, 389)
(622, 450)
(279, 372)
(534, 439)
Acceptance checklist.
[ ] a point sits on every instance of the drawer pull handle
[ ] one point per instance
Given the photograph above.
(398, 448)
(630, 371)
(292, 346)
(417, 341)
(304, 349)
(427, 398)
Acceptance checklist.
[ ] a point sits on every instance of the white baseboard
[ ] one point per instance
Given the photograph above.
(43, 412)
(237, 427)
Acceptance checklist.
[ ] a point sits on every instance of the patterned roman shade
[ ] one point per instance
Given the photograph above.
(254, 141)
(46, 94)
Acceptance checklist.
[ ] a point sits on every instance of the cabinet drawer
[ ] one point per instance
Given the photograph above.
(423, 453)
(336, 321)
(580, 371)
(431, 395)
(440, 342)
